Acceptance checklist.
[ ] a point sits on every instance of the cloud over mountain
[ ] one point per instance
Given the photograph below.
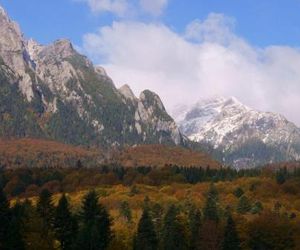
(209, 58)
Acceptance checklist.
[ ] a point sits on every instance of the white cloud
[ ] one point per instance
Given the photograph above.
(153, 7)
(216, 28)
(125, 8)
(118, 7)
(209, 59)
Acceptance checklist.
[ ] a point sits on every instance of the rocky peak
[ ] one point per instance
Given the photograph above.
(60, 49)
(14, 53)
(11, 38)
(64, 46)
(100, 71)
(126, 91)
(33, 49)
(3, 13)
(149, 98)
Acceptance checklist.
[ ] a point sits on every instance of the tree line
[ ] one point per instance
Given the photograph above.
(28, 182)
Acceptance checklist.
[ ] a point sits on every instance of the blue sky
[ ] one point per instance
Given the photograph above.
(184, 50)
(261, 22)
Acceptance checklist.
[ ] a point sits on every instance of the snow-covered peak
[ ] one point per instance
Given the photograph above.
(245, 136)
(207, 109)
(223, 122)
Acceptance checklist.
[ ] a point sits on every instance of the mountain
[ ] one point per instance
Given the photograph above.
(238, 135)
(52, 91)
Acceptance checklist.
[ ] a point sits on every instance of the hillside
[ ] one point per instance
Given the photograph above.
(160, 155)
(29, 153)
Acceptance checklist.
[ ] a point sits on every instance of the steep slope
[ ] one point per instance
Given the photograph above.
(54, 92)
(244, 136)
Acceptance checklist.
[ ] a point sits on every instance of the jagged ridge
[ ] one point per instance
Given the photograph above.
(60, 94)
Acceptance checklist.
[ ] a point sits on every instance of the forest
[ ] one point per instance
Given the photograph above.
(113, 208)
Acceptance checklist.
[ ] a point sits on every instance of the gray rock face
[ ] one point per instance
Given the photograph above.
(245, 137)
(75, 101)
(13, 52)
(150, 114)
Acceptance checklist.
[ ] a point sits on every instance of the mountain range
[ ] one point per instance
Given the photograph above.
(53, 92)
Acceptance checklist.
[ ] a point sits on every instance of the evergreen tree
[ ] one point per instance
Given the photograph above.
(95, 232)
(34, 227)
(257, 208)
(45, 210)
(146, 238)
(65, 224)
(282, 175)
(2, 178)
(157, 214)
(173, 232)
(231, 239)
(5, 218)
(239, 192)
(195, 229)
(15, 238)
(244, 205)
(125, 211)
(211, 209)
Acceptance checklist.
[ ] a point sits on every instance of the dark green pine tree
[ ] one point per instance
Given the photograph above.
(244, 205)
(195, 229)
(15, 238)
(211, 209)
(45, 209)
(5, 218)
(146, 237)
(95, 232)
(65, 224)
(231, 239)
(281, 176)
(173, 233)
(239, 192)
(125, 211)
